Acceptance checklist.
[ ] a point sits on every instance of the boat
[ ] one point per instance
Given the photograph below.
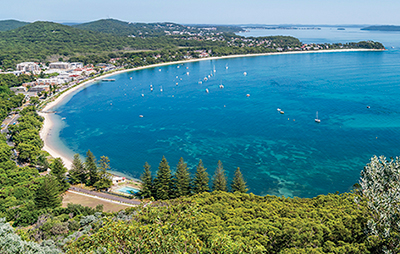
(248, 95)
(226, 67)
(108, 79)
(159, 69)
(130, 77)
(368, 107)
(207, 90)
(187, 73)
(161, 89)
(205, 78)
(200, 82)
(282, 112)
(176, 83)
(142, 95)
(221, 86)
(245, 73)
(278, 109)
(316, 119)
(140, 115)
(151, 89)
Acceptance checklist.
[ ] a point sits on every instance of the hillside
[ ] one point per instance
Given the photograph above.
(39, 40)
(117, 27)
(219, 222)
(382, 28)
(11, 24)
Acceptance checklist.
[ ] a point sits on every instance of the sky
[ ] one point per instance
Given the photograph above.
(318, 12)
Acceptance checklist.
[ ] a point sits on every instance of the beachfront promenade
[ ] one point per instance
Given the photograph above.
(105, 196)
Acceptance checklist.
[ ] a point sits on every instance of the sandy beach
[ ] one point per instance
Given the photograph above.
(48, 124)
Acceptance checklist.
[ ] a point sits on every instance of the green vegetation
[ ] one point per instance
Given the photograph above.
(11, 24)
(221, 222)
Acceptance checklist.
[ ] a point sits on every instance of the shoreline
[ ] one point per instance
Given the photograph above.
(48, 123)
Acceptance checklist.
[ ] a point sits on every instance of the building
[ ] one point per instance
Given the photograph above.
(118, 179)
(39, 88)
(28, 67)
(76, 65)
(60, 66)
(18, 89)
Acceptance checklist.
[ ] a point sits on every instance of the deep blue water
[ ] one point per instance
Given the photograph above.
(287, 154)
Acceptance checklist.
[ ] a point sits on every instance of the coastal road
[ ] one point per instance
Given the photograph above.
(106, 196)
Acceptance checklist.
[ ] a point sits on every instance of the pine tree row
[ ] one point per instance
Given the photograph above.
(91, 173)
(167, 185)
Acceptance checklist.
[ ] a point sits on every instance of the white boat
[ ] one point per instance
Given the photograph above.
(278, 109)
(176, 83)
(221, 86)
(200, 82)
(151, 89)
(161, 89)
(316, 119)
(142, 95)
(226, 67)
(130, 77)
(245, 73)
(207, 90)
(187, 73)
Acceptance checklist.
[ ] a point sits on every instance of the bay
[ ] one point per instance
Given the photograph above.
(280, 154)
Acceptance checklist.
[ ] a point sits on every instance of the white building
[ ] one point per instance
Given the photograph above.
(28, 67)
(76, 65)
(60, 66)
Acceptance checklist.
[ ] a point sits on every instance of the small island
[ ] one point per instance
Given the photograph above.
(382, 28)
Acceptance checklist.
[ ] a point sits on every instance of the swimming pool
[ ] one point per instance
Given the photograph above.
(127, 190)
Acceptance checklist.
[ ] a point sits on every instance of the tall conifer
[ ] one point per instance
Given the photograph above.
(48, 195)
(238, 183)
(163, 181)
(182, 179)
(58, 170)
(77, 173)
(91, 168)
(201, 180)
(219, 179)
(105, 178)
(147, 182)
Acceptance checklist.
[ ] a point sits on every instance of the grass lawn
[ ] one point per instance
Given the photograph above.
(70, 197)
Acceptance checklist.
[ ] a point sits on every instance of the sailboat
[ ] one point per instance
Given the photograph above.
(316, 119)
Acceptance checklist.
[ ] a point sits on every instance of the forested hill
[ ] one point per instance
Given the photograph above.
(11, 24)
(39, 40)
(117, 27)
(382, 28)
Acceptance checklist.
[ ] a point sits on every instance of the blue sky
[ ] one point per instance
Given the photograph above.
(208, 11)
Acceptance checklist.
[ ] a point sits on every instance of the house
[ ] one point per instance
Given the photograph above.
(118, 179)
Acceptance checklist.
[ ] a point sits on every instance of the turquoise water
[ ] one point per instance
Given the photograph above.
(287, 154)
(127, 190)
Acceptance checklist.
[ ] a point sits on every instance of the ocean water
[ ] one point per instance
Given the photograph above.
(280, 154)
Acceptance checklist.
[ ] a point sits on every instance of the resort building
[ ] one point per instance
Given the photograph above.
(18, 89)
(28, 67)
(39, 88)
(60, 66)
